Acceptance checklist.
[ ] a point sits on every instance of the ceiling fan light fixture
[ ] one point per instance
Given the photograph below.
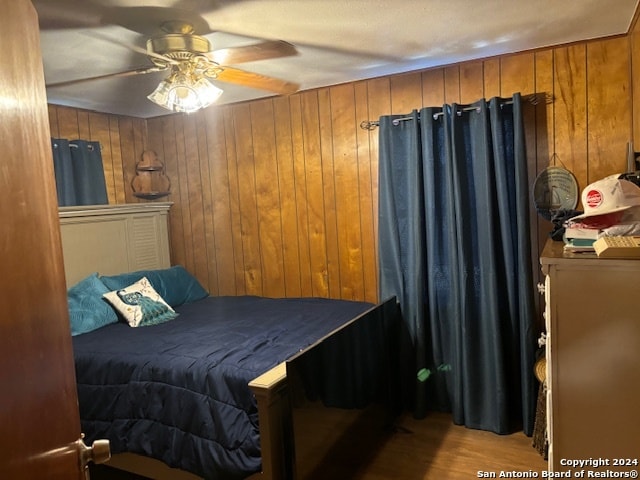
(161, 94)
(184, 92)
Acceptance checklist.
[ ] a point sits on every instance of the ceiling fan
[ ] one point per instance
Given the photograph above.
(191, 63)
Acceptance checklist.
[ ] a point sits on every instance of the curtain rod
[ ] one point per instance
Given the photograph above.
(75, 145)
(533, 99)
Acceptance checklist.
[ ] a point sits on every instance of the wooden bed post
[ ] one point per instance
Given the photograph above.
(276, 428)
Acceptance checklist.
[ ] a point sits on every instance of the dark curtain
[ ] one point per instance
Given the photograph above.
(454, 246)
(79, 173)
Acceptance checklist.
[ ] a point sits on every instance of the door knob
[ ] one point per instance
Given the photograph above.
(98, 452)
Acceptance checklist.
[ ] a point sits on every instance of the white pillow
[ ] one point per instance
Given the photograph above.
(140, 304)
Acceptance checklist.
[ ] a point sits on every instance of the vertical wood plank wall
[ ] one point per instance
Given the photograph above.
(278, 197)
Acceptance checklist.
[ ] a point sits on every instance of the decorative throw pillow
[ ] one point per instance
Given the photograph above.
(175, 284)
(140, 304)
(88, 311)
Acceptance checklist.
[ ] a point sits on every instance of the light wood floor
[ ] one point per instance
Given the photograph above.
(435, 448)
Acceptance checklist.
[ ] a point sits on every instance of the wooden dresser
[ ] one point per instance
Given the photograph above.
(593, 357)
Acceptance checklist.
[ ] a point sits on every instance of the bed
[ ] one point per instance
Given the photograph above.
(204, 393)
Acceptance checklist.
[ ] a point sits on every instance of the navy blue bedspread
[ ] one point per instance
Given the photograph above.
(178, 391)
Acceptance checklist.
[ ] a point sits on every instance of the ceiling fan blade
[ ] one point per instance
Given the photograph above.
(127, 73)
(135, 48)
(256, 80)
(249, 53)
(148, 20)
(60, 14)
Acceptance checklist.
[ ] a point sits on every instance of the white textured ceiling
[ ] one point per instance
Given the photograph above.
(338, 40)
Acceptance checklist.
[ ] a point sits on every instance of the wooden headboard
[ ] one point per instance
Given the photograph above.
(111, 239)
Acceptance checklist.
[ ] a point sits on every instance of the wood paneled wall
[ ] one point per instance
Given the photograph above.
(275, 197)
(278, 197)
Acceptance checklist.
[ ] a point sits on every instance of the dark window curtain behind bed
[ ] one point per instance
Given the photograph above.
(79, 173)
(455, 249)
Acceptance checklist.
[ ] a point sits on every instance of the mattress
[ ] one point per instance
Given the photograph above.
(178, 391)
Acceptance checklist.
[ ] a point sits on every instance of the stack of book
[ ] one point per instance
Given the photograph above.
(577, 239)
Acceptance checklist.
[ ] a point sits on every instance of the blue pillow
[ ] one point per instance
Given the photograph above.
(88, 310)
(175, 285)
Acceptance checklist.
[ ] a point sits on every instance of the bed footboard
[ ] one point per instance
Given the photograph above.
(275, 392)
(148, 467)
(274, 414)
